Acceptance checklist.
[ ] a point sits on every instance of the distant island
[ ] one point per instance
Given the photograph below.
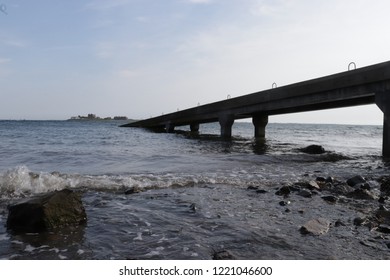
(93, 117)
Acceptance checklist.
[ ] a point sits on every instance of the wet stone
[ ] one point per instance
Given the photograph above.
(329, 180)
(223, 255)
(361, 194)
(305, 193)
(317, 226)
(285, 190)
(384, 228)
(46, 212)
(320, 179)
(356, 180)
(339, 223)
(284, 203)
(358, 221)
(261, 191)
(330, 198)
(313, 150)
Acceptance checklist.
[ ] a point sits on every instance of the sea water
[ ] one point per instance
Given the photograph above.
(195, 200)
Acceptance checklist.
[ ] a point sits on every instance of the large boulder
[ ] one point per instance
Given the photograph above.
(53, 210)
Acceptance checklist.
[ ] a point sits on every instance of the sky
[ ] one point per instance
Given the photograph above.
(143, 58)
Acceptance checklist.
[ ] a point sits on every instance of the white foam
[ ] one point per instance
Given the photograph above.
(21, 181)
(4, 237)
(29, 248)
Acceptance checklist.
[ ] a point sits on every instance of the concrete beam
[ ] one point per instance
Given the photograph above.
(382, 99)
(226, 123)
(260, 122)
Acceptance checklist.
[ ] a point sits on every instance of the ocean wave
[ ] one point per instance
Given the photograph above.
(22, 182)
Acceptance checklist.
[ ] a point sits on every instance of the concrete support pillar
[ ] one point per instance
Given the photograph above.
(169, 127)
(382, 99)
(226, 123)
(260, 122)
(194, 127)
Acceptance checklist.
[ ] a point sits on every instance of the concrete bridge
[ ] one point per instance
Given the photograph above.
(361, 86)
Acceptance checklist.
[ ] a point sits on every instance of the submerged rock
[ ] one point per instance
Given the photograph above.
(45, 212)
(313, 150)
(316, 226)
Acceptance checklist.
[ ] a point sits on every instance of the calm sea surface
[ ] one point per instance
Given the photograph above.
(195, 200)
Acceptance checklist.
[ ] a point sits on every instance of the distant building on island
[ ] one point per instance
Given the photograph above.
(93, 117)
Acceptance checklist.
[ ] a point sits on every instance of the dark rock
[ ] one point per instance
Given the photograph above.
(356, 180)
(283, 203)
(364, 186)
(311, 185)
(287, 210)
(339, 223)
(313, 150)
(133, 190)
(385, 185)
(359, 221)
(361, 194)
(261, 191)
(320, 179)
(384, 228)
(342, 189)
(316, 227)
(252, 188)
(382, 200)
(333, 157)
(329, 180)
(223, 255)
(285, 190)
(383, 215)
(53, 210)
(193, 207)
(330, 198)
(305, 193)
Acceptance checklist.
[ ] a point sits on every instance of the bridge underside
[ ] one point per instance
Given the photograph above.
(369, 85)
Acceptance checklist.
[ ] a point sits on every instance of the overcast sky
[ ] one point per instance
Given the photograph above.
(142, 58)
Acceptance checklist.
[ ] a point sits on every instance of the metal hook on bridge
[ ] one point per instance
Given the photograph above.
(274, 85)
(228, 96)
(351, 64)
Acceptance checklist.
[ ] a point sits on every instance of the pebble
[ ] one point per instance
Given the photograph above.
(358, 221)
(284, 203)
(305, 193)
(285, 190)
(330, 198)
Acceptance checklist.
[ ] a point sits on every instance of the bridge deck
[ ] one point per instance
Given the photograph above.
(362, 86)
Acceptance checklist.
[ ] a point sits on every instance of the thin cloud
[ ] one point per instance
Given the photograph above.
(200, 1)
(104, 4)
(4, 60)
